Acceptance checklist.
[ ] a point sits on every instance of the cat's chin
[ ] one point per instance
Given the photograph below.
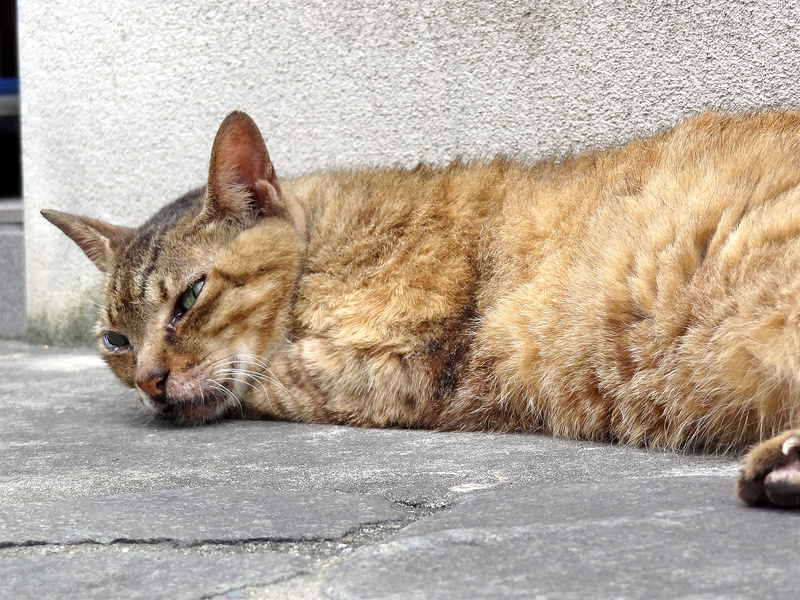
(201, 413)
(201, 410)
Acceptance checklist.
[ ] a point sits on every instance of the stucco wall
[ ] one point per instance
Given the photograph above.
(121, 100)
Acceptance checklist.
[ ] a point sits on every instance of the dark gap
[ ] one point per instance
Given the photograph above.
(11, 170)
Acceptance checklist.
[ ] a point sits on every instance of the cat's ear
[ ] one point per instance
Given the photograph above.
(242, 185)
(97, 239)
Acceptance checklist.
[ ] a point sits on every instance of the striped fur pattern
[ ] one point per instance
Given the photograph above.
(646, 295)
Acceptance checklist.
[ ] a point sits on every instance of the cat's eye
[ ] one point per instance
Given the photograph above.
(189, 297)
(115, 341)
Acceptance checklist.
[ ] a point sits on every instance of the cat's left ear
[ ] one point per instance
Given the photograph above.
(98, 239)
(242, 185)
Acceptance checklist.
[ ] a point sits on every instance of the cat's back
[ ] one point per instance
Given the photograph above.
(618, 272)
(566, 294)
(420, 244)
(393, 248)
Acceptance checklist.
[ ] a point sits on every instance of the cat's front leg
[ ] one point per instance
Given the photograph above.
(321, 380)
(286, 389)
(771, 472)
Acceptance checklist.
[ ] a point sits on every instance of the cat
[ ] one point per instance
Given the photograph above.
(647, 294)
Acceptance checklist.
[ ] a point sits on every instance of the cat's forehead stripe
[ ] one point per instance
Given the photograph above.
(136, 264)
(139, 279)
(150, 262)
(163, 291)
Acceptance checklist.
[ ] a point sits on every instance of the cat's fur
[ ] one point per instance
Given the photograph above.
(647, 295)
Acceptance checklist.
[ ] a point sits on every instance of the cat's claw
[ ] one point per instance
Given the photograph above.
(771, 473)
(783, 484)
(790, 444)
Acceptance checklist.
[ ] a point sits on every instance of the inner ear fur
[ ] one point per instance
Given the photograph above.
(242, 185)
(98, 239)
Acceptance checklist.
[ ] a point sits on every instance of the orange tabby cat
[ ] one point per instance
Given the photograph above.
(648, 295)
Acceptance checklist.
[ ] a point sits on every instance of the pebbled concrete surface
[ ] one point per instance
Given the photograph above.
(98, 501)
(194, 516)
(673, 537)
(140, 575)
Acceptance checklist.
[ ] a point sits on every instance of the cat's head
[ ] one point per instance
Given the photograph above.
(195, 298)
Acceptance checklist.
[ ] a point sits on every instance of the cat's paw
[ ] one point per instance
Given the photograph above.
(771, 472)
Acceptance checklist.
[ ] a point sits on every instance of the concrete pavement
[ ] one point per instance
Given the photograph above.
(97, 501)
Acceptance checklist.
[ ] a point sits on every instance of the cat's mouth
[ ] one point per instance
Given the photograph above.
(209, 405)
(204, 391)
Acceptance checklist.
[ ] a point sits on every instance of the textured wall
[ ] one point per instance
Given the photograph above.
(121, 100)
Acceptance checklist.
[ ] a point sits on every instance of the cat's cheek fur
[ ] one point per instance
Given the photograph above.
(214, 352)
(122, 363)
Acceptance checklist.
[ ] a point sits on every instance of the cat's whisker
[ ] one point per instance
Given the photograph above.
(233, 377)
(236, 402)
(231, 360)
(261, 377)
(236, 380)
(255, 359)
(260, 362)
(92, 304)
(218, 385)
(253, 374)
(278, 382)
(147, 413)
(208, 355)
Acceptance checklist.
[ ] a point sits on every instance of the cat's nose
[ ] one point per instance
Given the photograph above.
(154, 383)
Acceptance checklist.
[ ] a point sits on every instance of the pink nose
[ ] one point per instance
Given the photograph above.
(153, 383)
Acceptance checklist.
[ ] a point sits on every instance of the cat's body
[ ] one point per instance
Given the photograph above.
(648, 294)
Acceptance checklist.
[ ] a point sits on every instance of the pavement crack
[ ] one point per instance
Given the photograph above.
(423, 505)
(25, 544)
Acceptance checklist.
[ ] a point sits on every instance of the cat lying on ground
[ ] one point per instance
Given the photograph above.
(647, 295)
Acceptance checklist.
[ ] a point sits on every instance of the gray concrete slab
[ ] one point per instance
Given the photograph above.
(194, 516)
(141, 575)
(674, 537)
(70, 430)
(371, 512)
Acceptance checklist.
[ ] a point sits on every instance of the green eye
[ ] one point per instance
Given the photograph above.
(115, 341)
(189, 297)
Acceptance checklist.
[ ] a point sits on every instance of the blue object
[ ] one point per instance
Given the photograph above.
(9, 86)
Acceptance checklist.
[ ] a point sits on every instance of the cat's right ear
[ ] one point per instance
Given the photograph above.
(97, 239)
(242, 185)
